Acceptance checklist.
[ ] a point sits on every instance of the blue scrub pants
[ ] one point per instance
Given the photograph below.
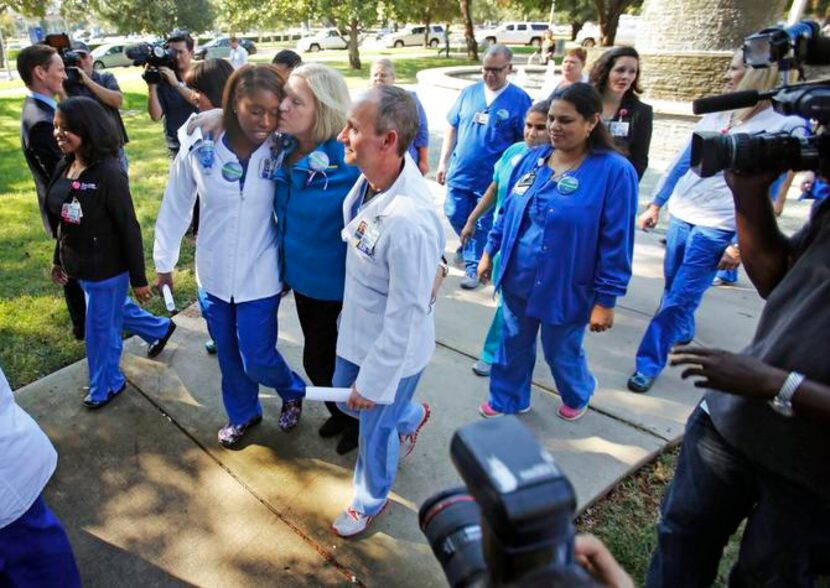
(458, 206)
(379, 442)
(246, 347)
(108, 312)
(690, 265)
(35, 551)
(511, 374)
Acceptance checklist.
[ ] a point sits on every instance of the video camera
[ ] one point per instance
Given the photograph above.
(154, 56)
(71, 59)
(512, 524)
(790, 48)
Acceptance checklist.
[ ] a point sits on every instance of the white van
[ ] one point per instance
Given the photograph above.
(414, 35)
(515, 33)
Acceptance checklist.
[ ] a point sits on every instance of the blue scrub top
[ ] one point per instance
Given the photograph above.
(564, 253)
(422, 136)
(309, 221)
(479, 145)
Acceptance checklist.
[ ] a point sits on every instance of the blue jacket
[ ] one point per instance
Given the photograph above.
(588, 239)
(309, 221)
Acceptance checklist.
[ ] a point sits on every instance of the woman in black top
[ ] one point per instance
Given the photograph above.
(99, 243)
(616, 76)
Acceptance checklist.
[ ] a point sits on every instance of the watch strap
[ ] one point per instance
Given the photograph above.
(783, 401)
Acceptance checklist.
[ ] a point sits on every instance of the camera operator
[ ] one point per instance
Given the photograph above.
(101, 87)
(757, 448)
(171, 98)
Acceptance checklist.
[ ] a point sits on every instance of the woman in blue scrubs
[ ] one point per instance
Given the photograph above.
(566, 239)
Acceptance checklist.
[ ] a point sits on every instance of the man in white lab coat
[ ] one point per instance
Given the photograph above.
(387, 331)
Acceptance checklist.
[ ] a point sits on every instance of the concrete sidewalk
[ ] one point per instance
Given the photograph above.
(150, 498)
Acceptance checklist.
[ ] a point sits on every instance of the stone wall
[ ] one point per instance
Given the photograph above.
(703, 25)
(683, 77)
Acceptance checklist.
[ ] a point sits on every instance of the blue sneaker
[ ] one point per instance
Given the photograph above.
(470, 281)
(640, 383)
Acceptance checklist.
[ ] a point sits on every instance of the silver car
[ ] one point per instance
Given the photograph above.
(110, 55)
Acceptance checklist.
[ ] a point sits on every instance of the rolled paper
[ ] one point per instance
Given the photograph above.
(325, 394)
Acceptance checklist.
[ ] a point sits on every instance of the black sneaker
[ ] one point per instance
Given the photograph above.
(156, 347)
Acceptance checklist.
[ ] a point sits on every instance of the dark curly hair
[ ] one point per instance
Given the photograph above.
(602, 69)
(86, 118)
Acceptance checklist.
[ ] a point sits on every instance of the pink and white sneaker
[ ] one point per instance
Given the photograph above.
(488, 412)
(351, 523)
(571, 414)
(408, 441)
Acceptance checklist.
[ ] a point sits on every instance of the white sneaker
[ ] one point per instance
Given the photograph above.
(351, 523)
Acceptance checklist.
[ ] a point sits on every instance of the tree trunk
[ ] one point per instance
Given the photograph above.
(469, 34)
(575, 28)
(354, 52)
(427, 22)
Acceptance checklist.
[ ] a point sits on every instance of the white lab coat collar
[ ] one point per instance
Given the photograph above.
(379, 205)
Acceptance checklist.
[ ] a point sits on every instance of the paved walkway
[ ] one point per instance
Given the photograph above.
(149, 498)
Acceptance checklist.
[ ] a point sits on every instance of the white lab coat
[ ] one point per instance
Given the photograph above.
(27, 458)
(387, 326)
(237, 256)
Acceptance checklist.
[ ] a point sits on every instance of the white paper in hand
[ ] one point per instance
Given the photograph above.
(325, 394)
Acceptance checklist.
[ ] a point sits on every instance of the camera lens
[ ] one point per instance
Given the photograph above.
(451, 523)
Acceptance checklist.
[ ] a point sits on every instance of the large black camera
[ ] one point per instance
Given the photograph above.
(71, 59)
(513, 524)
(153, 56)
(789, 48)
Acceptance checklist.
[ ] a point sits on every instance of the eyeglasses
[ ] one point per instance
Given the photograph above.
(495, 70)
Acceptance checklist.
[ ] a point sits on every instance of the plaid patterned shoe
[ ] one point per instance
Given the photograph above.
(230, 435)
(290, 415)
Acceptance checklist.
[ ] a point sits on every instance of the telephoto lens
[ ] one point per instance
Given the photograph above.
(451, 523)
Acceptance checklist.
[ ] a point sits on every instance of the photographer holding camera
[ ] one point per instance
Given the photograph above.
(170, 97)
(101, 87)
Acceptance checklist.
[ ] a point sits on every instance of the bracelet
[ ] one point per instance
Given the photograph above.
(782, 403)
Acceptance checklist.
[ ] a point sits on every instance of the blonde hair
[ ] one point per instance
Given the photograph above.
(760, 79)
(331, 98)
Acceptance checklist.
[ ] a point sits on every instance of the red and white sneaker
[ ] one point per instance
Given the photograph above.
(351, 523)
(408, 441)
(571, 414)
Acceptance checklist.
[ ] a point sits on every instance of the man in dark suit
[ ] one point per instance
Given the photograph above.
(41, 69)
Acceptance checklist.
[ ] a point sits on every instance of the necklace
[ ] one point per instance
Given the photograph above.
(558, 173)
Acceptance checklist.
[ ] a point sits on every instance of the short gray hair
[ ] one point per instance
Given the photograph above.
(385, 63)
(396, 111)
(499, 49)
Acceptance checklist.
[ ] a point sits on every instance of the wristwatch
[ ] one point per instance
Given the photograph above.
(783, 401)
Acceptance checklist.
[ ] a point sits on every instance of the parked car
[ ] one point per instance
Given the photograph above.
(325, 39)
(414, 35)
(110, 55)
(514, 33)
(589, 35)
(221, 48)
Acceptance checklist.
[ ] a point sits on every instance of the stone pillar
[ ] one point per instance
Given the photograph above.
(686, 45)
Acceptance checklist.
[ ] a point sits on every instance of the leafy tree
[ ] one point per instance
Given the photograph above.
(607, 13)
(154, 16)
(469, 33)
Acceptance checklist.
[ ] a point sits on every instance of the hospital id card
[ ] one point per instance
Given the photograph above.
(481, 118)
(618, 128)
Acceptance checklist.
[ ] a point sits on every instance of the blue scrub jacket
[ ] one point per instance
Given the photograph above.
(479, 146)
(309, 221)
(588, 240)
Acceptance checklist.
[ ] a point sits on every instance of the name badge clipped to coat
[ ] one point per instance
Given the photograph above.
(71, 212)
(366, 237)
(619, 128)
(481, 118)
